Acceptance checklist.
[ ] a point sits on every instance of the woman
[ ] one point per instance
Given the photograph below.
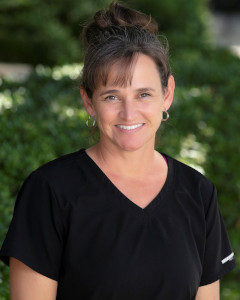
(119, 220)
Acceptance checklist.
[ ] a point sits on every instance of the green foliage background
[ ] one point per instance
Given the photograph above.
(43, 118)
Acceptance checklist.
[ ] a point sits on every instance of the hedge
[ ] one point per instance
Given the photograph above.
(43, 118)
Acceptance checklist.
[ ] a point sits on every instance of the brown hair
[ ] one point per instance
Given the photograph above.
(117, 36)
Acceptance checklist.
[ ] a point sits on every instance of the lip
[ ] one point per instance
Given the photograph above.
(130, 127)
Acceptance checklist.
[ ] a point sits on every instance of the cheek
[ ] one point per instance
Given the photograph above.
(155, 114)
(105, 115)
(153, 109)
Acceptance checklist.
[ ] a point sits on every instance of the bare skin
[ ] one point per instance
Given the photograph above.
(134, 186)
(27, 284)
(209, 291)
(125, 155)
(126, 167)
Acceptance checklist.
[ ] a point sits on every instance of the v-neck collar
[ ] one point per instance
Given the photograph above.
(158, 200)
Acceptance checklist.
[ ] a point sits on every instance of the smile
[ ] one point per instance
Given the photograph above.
(131, 127)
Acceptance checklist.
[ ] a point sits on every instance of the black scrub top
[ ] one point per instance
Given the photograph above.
(73, 225)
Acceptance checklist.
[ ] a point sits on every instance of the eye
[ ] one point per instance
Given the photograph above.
(111, 98)
(145, 95)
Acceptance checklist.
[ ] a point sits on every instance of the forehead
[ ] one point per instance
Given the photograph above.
(127, 71)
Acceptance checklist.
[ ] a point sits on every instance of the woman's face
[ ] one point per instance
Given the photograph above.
(129, 117)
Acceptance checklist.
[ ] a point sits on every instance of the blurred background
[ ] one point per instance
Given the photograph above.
(42, 117)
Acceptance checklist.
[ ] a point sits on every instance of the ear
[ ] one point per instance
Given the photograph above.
(87, 102)
(169, 93)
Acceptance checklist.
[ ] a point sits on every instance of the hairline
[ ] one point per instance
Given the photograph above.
(122, 81)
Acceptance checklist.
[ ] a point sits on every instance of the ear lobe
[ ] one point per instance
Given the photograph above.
(87, 102)
(169, 93)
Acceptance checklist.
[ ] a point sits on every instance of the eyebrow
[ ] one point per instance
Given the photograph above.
(109, 92)
(146, 89)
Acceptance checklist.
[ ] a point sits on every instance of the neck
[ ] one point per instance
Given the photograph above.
(124, 163)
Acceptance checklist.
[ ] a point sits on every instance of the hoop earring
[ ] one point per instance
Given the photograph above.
(93, 121)
(167, 115)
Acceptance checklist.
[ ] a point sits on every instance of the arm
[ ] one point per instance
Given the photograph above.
(209, 292)
(27, 284)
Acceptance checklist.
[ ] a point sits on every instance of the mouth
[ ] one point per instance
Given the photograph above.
(130, 127)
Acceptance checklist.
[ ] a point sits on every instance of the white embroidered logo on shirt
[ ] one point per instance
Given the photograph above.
(228, 258)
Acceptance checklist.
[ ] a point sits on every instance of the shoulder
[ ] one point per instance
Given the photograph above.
(190, 181)
(62, 171)
(63, 163)
(185, 174)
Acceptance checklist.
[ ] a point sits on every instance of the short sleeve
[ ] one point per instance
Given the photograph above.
(218, 255)
(35, 235)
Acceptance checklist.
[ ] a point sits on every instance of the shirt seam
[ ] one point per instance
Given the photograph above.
(218, 275)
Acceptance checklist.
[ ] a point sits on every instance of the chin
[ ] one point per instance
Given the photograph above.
(130, 147)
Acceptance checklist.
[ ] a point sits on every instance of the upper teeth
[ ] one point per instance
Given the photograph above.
(130, 127)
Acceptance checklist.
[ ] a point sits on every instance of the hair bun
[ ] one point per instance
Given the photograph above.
(118, 15)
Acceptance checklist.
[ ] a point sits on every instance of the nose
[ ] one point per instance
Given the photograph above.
(128, 110)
